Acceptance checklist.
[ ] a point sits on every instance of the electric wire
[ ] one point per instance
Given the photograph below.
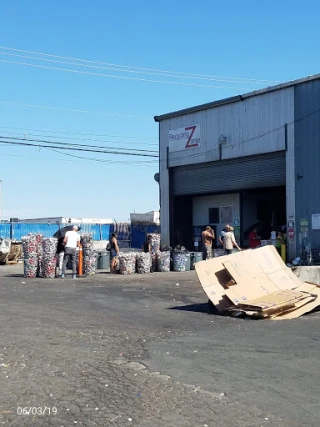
(76, 145)
(83, 134)
(139, 68)
(99, 113)
(67, 70)
(88, 150)
(152, 73)
(86, 139)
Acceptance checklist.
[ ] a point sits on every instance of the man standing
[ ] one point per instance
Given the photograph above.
(229, 241)
(60, 255)
(71, 242)
(221, 237)
(207, 239)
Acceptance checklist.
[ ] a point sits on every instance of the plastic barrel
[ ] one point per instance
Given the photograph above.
(195, 257)
(188, 259)
(104, 261)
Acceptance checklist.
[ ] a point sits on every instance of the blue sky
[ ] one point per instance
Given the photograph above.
(236, 41)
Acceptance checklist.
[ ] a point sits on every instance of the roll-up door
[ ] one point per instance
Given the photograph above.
(267, 170)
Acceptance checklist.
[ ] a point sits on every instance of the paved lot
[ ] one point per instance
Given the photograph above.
(142, 351)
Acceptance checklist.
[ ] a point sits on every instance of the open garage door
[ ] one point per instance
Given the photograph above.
(267, 170)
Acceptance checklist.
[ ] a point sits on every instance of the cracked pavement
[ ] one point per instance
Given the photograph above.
(141, 350)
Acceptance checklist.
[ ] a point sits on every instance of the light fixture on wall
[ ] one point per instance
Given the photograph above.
(222, 139)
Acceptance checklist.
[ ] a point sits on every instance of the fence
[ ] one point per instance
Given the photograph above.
(128, 236)
(16, 230)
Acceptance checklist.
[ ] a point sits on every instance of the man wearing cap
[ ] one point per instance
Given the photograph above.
(207, 239)
(71, 242)
(229, 241)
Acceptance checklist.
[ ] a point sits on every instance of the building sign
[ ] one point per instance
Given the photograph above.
(315, 221)
(290, 233)
(184, 138)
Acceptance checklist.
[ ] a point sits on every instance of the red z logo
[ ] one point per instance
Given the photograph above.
(189, 145)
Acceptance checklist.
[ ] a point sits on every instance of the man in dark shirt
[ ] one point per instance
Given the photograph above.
(60, 254)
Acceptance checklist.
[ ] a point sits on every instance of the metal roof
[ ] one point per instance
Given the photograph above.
(236, 98)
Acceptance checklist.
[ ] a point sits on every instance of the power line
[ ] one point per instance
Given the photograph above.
(134, 163)
(76, 145)
(84, 134)
(27, 144)
(99, 113)
(152, 73)
(84, 139)
(142, 164)
(137, 68)
(118, 77)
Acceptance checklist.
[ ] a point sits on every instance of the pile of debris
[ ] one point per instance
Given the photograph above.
(258, 284)
(10, 251)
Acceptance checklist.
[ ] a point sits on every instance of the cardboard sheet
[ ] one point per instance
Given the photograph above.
(253, 288)
(268, 259)
(242, 266)
(276, 299)
(249, 275)
(214, 278)
(300, 311)
(283, 279)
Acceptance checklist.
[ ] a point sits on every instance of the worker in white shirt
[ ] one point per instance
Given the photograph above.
(71, 242)
(229, 241)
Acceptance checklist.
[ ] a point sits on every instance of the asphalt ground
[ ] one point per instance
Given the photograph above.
(142, 350)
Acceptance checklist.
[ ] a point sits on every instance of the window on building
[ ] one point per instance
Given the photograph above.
(214, 216)
(226, 214)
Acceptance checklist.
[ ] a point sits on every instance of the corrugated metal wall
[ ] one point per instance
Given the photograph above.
(257, 123)
(17, 230)
(251, 126)
(307, 160)
(268, 170)
(5, 230)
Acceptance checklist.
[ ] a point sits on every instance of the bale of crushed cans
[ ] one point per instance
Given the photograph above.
(89, 256)
(179, 261)
(163, 261)
(32, 255)
(49, 250)
(144, 263)
(155, 247)
(127, 262)
(90, 264)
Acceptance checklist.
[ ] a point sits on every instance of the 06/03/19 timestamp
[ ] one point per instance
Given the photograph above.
(37, 410)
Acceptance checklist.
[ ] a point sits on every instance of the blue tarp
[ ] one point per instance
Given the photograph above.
(139, 233)
(16, 230)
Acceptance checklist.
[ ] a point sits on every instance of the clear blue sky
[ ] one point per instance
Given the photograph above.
(274, 40)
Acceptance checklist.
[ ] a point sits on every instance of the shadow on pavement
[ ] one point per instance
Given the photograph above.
(208, 308)
(13, 275)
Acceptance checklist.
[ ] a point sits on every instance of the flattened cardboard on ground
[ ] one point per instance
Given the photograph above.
(300, 311)
(250, 289)
(242, 266)
(268, 259)
(307, 287)
(284, 279)
(274, 300)
(214, 278)
(280, 315)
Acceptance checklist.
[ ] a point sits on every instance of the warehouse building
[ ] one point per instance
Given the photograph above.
(252, 158)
